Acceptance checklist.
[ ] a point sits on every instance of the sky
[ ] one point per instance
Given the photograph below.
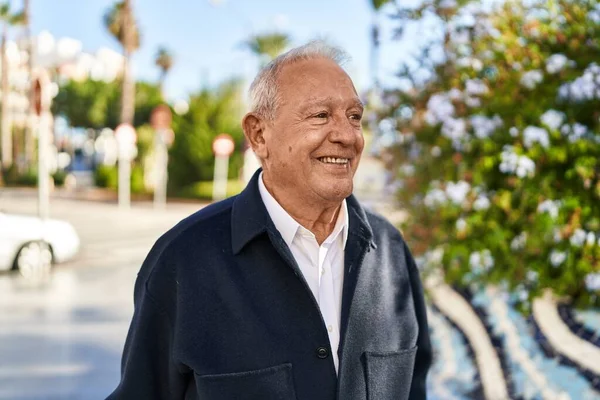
(206, 36)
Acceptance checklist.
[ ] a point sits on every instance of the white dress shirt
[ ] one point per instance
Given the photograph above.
(322, 266)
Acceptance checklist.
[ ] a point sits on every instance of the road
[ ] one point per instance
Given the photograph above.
(63, 339)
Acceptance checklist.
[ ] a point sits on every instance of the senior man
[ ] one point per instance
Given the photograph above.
(290, 290)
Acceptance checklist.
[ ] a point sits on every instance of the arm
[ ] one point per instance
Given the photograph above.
(147, 368)
(423, 358)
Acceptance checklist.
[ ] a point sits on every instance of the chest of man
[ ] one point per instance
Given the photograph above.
(248, 326)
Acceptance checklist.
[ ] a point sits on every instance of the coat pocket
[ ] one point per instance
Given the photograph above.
(389, 374)
(273, 383)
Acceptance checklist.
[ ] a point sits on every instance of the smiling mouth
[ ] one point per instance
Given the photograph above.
(334, 160)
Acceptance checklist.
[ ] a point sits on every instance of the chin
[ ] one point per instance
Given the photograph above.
(336, 192)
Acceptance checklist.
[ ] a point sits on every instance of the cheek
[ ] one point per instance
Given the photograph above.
(360, 141)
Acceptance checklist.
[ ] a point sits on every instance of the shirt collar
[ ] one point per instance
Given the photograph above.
(288, 226)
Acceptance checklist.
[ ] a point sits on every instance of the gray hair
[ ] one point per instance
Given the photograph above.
(264, 97)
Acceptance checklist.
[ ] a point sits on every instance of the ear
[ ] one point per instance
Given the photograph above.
(254, 129)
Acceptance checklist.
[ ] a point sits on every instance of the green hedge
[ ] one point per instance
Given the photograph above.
(203, 190)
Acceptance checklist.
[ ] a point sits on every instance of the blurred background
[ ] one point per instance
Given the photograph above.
(120, 118)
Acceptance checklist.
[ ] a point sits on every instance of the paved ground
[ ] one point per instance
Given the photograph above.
(63, 339)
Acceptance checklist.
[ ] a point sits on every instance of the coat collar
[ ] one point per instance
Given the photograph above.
(249, 217)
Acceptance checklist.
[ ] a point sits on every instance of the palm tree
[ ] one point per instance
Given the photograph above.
(8, 19)
(164, 61)
(29, 137)
(267, 46)
(119, 21)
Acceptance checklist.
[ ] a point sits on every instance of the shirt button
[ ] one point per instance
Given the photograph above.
(322, 352)
(329, 328)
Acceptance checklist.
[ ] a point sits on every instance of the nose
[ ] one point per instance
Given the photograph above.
(344, 132)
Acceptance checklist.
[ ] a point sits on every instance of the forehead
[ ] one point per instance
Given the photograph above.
(313, 79)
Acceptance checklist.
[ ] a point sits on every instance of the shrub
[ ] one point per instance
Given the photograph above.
(498, 153)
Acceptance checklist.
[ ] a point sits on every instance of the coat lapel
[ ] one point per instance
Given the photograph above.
(360, 241)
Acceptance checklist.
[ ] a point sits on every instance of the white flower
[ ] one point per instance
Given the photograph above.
(549, 206)
(592, 281)
(578, 238)
(476, 87)
(512, 163)
(474, 260)
(454, 94)
(484, 126)
(481, 203)
(407, 169)
(533, 134)
(557, 257)
(523, 294)
(574, 132)
(454, 129)
(514, 132)
(553, 119)
(590, 239)
(594, 15)
(519, 241)
(448, 4)
(457, 192)
(532, 276)
(461, 225)
(556, 62)
(525, 167)
(436, 151)
(435, 197)
(439, 109)
(584, 88)
(472, 102)
(481, 261)
(530, 79)
(556, 235)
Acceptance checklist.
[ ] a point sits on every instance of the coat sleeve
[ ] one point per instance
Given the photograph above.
(423, 358)
(148, 370)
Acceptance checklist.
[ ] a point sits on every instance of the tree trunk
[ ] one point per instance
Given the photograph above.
(161, 82)
(128, 91)
(29, 127)
(374, 56)
(7, 146)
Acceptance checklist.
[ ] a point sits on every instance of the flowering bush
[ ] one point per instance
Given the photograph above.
(499, 153)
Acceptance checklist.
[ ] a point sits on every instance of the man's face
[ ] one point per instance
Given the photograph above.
(315, 142)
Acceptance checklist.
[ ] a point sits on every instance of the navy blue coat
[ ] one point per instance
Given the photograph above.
(223, 312)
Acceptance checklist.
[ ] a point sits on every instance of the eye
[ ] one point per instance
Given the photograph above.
(357, 117)
(321, 115)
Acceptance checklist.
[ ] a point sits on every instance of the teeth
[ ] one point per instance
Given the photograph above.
(333, 160)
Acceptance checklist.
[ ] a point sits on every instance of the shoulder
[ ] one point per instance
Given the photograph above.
(203, 220)
(176, 242)
(382, 227)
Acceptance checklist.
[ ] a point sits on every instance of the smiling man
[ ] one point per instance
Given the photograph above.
(290, 290)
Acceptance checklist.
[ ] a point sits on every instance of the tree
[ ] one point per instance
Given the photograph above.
(211, 112)
(29, 137)
(164, 61)
(267, 46)
(498, 152)
(376, 6)
(91, 103)
(120, 22)
(8, 19)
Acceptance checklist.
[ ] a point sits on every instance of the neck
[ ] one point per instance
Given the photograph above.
(318, 217)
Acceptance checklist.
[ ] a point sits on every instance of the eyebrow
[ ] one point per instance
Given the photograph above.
(328, 100)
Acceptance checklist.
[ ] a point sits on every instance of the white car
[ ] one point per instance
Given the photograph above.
(31, 245)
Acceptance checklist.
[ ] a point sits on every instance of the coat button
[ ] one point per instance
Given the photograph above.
(322, 352)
